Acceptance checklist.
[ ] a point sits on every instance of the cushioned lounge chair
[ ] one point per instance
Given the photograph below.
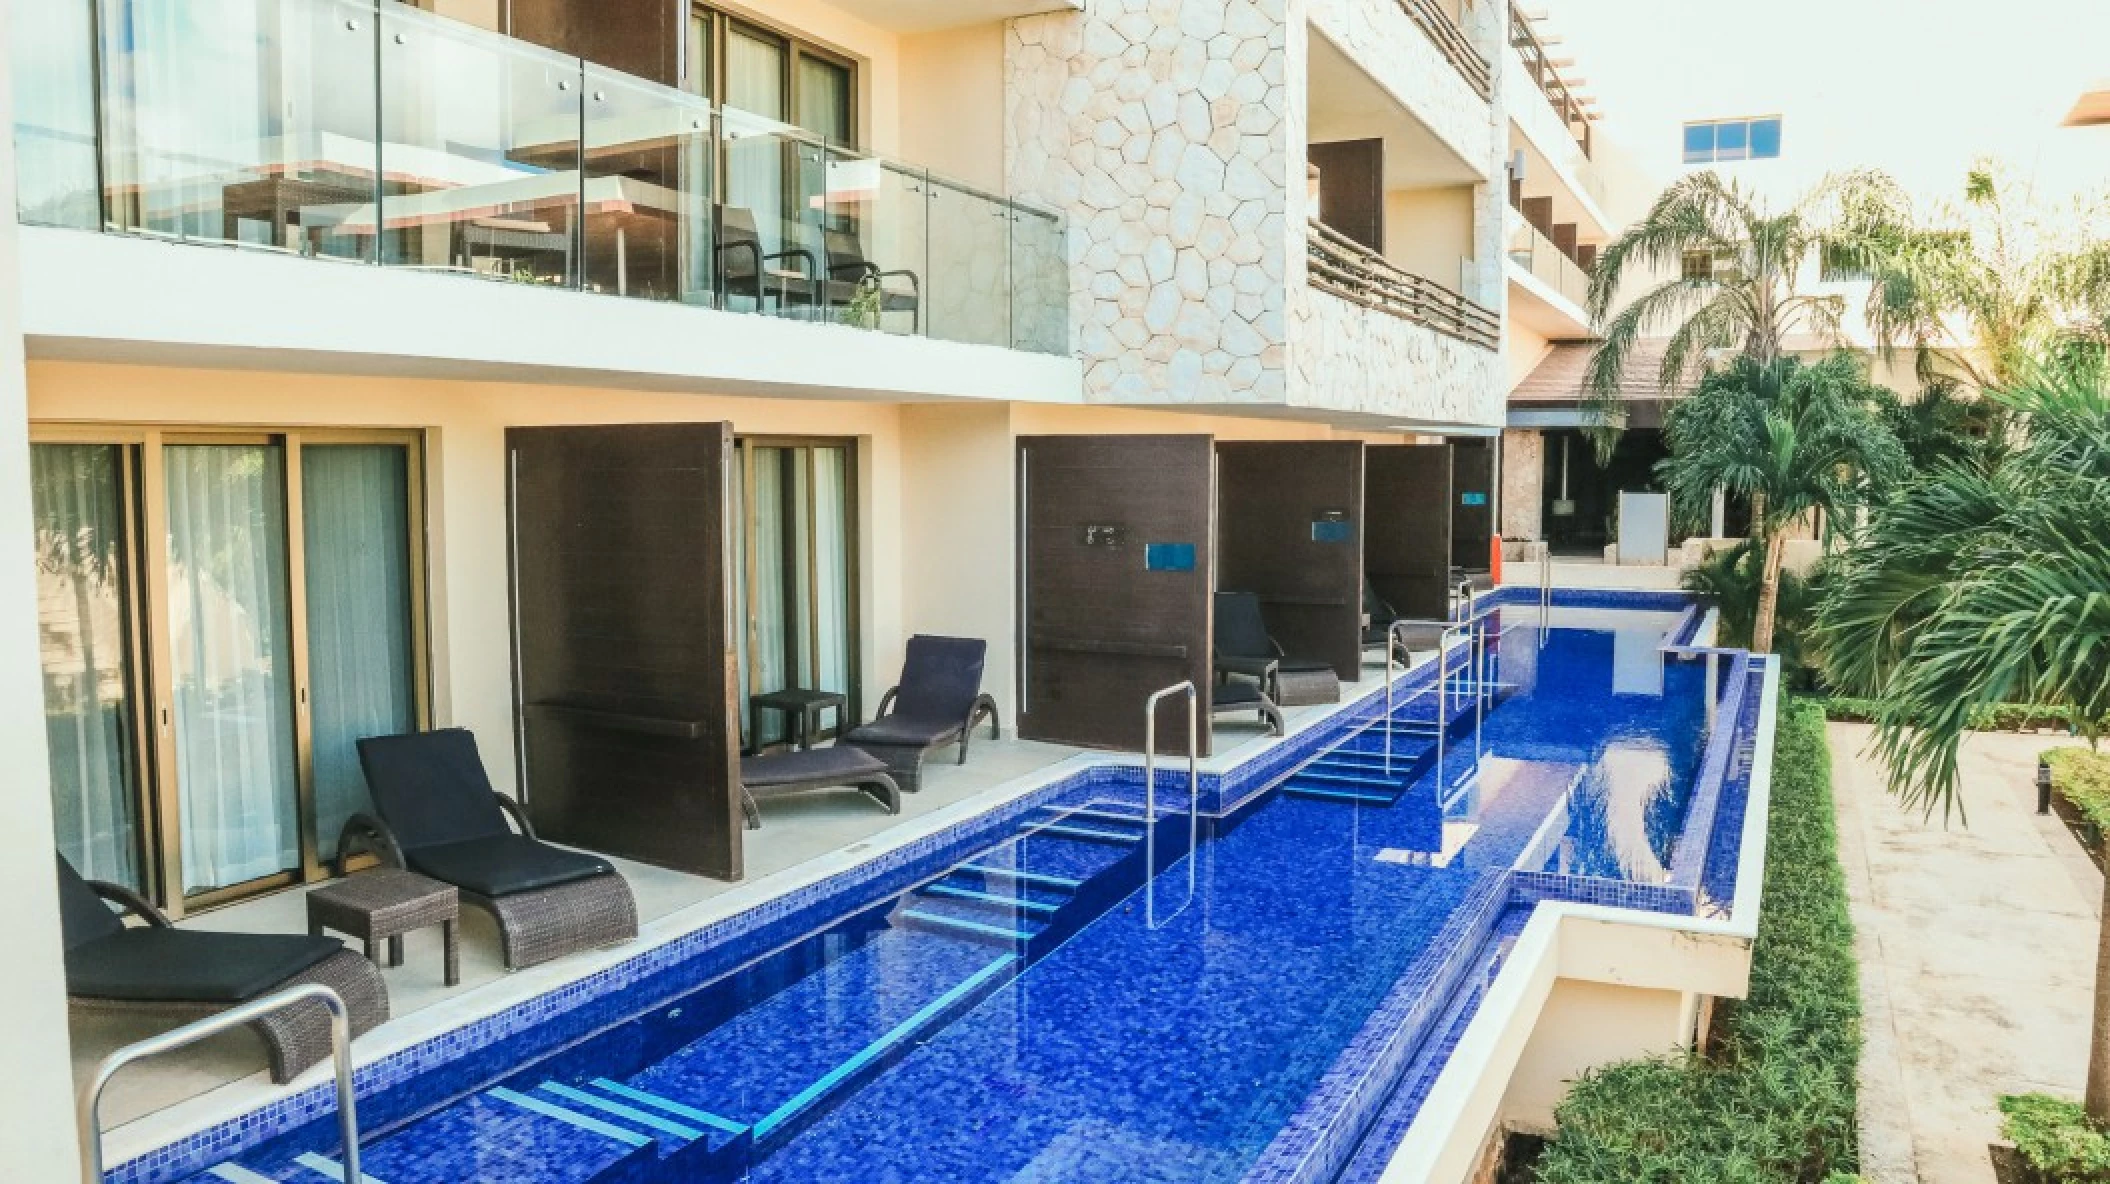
(436, 814)
(785, 773)
(160, 972)
(1243, 648)
(938, 702)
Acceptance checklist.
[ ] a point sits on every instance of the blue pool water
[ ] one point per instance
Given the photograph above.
(1038, 1012)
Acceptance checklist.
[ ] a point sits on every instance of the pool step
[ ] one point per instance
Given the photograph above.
(1349, 797)
(1088, 834)
(1004, 901)
(510, 1134)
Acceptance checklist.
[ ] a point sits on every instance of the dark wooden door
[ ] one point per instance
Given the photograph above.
(1115, 575)
(1472, 503)
(1407, 532)
(624, 660)
(1352, 188)
(1289, 530)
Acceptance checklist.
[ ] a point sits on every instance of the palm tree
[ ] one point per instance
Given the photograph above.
(1748, 297)
(1983, 287)
(1983, 581)
(1790, 437)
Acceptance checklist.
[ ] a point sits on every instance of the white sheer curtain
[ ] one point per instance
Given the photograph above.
(355, 509)
(755, 156)
(75, 491)
(231, 652)
(767, 537)
(832, 575)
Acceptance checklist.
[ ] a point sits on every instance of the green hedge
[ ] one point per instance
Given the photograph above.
(2002, 717)
(2081, 778)
(1774, 1103)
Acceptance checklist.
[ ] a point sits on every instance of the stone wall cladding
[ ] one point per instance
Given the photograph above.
(1523, 483)
(1392, 49)
(1350, 358)
(1164, 128)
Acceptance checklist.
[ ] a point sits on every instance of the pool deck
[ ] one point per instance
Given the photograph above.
(802, 839)
(1977, 952)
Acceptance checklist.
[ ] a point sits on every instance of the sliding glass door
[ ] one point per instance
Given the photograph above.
(231, 671)
(795, 528)
(82, 500)
(224, 616)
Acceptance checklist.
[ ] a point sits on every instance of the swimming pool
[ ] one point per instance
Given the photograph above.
(1030, 1008)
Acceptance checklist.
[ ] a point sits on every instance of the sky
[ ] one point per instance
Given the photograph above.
(1920, 88)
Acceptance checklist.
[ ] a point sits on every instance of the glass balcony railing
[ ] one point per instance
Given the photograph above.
(370, 132)
(1535, 253)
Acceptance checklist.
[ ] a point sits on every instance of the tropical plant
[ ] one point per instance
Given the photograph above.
(1749, 296)
(1793, 439)
(1976, 585)
(1730, 581)
(1982, 288)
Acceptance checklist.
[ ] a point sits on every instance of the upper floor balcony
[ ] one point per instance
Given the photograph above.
(368, 132)
(1441, 25)
(1545, 74)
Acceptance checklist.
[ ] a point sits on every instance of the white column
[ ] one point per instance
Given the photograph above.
(36, 1091)
(1720, 523)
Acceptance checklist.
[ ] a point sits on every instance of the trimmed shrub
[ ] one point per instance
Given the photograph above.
(2001, 717)
(2081, 778)
(2056, 1139)
(1774, 1103)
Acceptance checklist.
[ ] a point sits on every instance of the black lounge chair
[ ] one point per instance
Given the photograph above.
(160, 972)
(785, 773)
(1378, 615)
(1244, 648)
(850, 274)
(1237, 698)
(938, 702)
(437, 815)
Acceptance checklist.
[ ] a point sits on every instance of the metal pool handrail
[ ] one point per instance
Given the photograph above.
(1150, 790)
(88, 1116)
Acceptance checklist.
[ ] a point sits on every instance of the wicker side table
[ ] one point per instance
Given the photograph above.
(384, 904)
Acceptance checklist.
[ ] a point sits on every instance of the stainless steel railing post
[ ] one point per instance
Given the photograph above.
(88, 1109)
(1150, 791)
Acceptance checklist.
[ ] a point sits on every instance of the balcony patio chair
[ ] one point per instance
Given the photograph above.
(783, 774)
(1244, 649)
(745, 268)
(851, 274)
(157, 971)
(938, 702)
(436, 814)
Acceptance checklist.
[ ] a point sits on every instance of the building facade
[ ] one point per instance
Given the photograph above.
(290, 273)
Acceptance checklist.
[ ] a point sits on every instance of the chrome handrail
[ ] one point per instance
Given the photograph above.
(88, 1116)
(1545, 591)
(1150, 791)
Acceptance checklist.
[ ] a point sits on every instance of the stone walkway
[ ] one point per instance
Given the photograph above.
(1977, 948)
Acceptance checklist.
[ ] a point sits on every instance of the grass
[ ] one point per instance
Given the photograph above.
(2054, 1136)
(1773, 1103)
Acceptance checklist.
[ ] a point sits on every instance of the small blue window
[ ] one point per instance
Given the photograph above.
(1732, 139)
(1699, 143)
(1765, 139)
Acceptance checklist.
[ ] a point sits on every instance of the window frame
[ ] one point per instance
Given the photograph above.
(1747, 151)
(708, 78)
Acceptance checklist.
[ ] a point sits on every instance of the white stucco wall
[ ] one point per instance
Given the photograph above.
(36, 1113)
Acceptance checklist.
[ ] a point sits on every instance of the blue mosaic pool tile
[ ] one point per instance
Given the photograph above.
(1696, 839)
(416, 1079)
(1324, 1132)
